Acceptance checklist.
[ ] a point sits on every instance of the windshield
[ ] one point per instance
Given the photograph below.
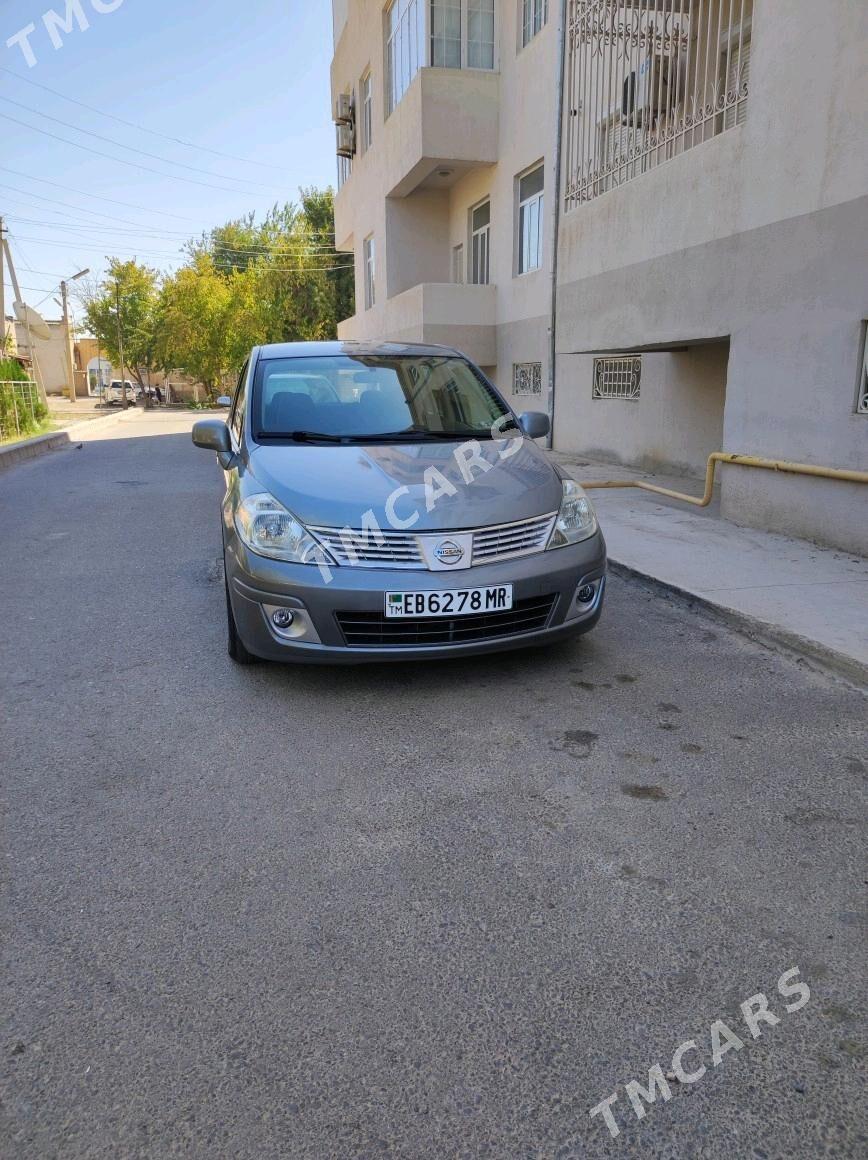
(364, 397)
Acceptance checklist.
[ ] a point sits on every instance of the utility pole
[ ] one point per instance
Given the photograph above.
(67, 341)
(30, 347)
(121, 344)
(100, 390)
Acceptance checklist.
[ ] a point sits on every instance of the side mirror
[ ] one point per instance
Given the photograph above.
(535, 424)
(213, 435)
(223, 401)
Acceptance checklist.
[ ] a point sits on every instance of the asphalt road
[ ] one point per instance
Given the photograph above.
(412, 912)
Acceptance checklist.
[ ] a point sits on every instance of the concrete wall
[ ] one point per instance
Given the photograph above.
(416, 241)
(759, 235)
(672, 427)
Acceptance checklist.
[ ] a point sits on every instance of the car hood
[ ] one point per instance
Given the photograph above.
(334, 486)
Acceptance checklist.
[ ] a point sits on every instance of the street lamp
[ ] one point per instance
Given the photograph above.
(67, 334)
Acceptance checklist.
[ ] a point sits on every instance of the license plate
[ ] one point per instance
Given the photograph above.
(451, 602)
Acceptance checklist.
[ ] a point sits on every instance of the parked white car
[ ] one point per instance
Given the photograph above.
(114, 394)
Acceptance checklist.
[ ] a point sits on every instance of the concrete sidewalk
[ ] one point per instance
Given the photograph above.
(788, 592)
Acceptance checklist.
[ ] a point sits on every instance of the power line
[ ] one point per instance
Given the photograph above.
(97, 196)
(115, 201)
(294, 245)
(83, 242)
(123, 161)
(291, 246)
(33, 289)
(142, 128)
(120, 144)
(82, 209)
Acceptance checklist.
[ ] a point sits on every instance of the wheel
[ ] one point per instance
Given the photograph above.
(234, 642)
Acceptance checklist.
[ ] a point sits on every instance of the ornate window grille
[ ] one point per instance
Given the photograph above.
(527, 378)
(647, 80)
(617, 378)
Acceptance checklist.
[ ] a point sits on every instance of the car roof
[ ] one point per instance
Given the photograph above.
(386, 349)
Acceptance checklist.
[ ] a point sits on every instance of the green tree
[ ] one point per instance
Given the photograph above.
(196, 322)
(243, 284)
(124, 305)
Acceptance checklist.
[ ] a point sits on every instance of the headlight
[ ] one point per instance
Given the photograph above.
(268, 529)
(576, 520)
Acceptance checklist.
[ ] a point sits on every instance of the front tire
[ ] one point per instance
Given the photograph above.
(235, 645)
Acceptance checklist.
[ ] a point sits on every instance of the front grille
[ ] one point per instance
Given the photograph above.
(373, 630)
(507, 540)
(365, 550)
(381, 549)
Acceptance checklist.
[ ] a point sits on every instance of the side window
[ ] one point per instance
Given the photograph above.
(236, 419)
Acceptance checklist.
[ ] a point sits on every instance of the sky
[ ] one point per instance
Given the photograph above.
(248, 80)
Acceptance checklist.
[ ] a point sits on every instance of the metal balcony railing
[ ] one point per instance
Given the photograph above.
(648, 80)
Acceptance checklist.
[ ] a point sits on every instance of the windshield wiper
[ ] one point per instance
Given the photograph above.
(408, 435)
(304, 436)
(423, 434)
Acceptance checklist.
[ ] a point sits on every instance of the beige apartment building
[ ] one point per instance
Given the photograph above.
(710, 228)
(444, 201)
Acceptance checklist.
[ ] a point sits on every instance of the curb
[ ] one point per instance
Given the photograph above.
(802, 648)
(27, 449)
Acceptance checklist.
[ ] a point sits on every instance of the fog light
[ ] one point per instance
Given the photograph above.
(586, 594)
(282, 618)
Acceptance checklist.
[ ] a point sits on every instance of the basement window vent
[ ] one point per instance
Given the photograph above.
(862, 398)
(527, 378)
(617, 378)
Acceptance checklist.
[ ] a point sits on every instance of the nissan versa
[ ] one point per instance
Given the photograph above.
(383, 501)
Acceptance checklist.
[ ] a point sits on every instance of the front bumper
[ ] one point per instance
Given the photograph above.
(256, 583)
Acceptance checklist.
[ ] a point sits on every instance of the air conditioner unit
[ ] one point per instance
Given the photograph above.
(344, 109)
(646, 90)
(346, 140)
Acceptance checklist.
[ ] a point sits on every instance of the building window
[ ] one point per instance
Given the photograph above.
(345, 168)
(405, 47)
(480, 243)
(345, 134)
(441, 33)
(446, 33)
(527, 378)
(454, 45)
(534, 14)
(367, 91)
(480, 33)
(648, 82)
(369, 259)
(862, 398)
(617, 378)
(530, 220)
(458, 264)
(735, 66)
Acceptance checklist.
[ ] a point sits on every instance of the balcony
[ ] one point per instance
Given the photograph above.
(436, 312)
(446, 121)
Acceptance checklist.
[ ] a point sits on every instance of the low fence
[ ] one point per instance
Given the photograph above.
(21, 408)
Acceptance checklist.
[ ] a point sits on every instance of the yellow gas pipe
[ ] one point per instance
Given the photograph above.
(716, 457)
